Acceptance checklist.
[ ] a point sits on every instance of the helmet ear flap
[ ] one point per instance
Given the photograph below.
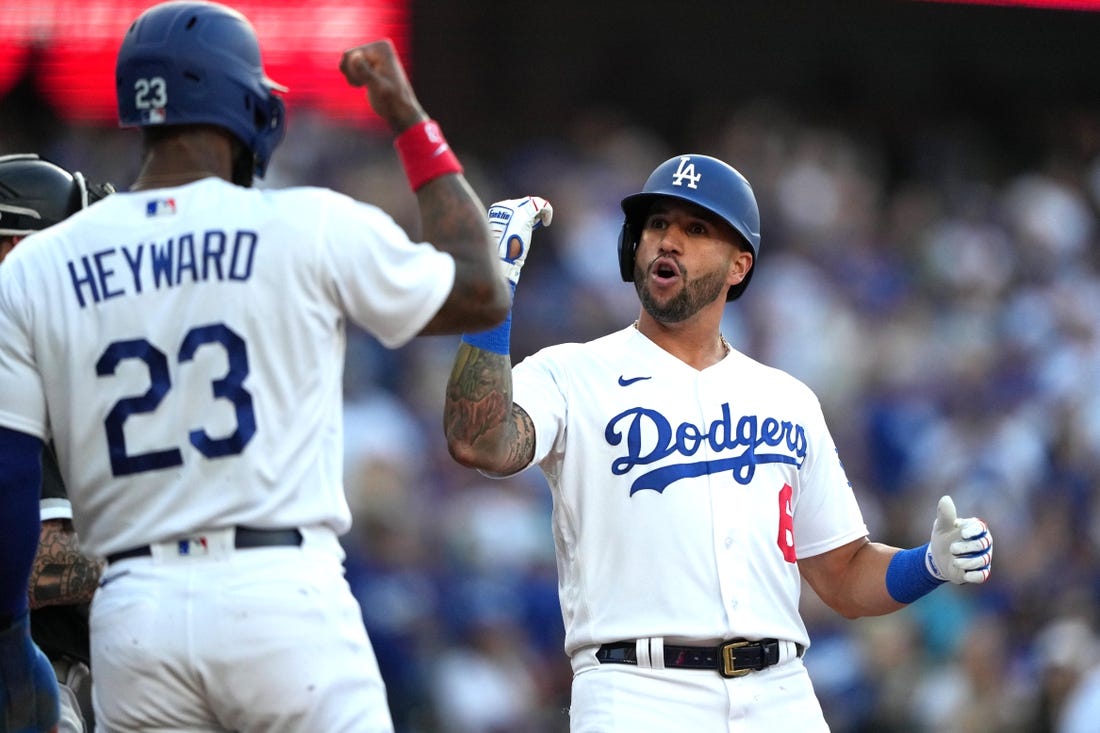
(628, 243)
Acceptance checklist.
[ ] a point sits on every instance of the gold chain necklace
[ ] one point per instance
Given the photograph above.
(726, 348)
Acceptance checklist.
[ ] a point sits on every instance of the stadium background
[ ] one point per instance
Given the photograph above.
(929, 182)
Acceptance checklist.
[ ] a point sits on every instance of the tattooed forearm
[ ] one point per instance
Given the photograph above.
(479, 414)
(61, 574)
(453, 219)
(478, 394)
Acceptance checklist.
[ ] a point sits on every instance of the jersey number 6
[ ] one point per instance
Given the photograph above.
(229, 387)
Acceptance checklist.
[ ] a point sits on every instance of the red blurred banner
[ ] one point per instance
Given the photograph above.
(1047, 4)
(75, 42)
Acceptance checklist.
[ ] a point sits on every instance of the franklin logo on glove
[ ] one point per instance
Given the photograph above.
(511, 223)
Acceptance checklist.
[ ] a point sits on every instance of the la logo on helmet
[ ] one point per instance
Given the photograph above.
(686, 171)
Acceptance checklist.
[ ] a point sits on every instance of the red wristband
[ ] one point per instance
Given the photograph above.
(425, 154)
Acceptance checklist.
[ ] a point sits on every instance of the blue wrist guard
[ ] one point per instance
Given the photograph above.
(497, 340)
(907, 577)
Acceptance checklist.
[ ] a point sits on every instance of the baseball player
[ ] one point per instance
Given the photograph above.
(182, 345)
(35, 194)
(693, 487)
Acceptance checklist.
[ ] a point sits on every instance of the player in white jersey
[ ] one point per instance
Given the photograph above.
(693, 487)
(182, 343)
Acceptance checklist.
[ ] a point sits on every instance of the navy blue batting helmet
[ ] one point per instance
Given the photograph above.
(703, 181)
(194, 62)
(35, 194)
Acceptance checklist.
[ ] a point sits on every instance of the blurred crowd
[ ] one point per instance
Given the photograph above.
(941, 294)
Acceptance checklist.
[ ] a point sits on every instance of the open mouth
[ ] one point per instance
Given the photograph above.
(665, 270)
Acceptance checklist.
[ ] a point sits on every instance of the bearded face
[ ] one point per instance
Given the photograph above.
(695, 293)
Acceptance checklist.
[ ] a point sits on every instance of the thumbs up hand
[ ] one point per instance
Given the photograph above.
(961, 550)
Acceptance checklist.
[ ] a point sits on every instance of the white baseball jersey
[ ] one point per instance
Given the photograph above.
(184, 348)
(682, 498)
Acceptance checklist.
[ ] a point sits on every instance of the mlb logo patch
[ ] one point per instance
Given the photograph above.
(193, 546)
(160, 207)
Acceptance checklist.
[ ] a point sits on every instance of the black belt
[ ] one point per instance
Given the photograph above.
(243, 538)
(731, 659)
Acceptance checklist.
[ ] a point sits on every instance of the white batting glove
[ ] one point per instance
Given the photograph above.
(512, 222)
(961, 550)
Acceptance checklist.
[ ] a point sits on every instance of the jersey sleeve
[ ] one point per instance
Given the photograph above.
(23, 406)
(827, 514)
(539, 389)
(386, 283)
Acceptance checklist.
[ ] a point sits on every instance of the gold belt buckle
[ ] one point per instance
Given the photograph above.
(729, 668)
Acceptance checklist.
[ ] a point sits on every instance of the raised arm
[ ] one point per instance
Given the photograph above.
(452, 217)
(484, 428)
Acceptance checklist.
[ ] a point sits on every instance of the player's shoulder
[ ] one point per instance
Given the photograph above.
(555, 353)
(317, 195)
(23, 262)
(327, 209)
(220, 191)
(297, 192)
(769, 379)
(611, 343)
(579, 357)
(613, 340)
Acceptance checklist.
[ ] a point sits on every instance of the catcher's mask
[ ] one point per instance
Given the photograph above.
(701, 180)
(35, 194)
(193, 62)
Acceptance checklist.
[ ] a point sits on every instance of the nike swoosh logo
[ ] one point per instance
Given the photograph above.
(624, 382)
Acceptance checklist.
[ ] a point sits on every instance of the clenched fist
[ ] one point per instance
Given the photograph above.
(376, 66)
